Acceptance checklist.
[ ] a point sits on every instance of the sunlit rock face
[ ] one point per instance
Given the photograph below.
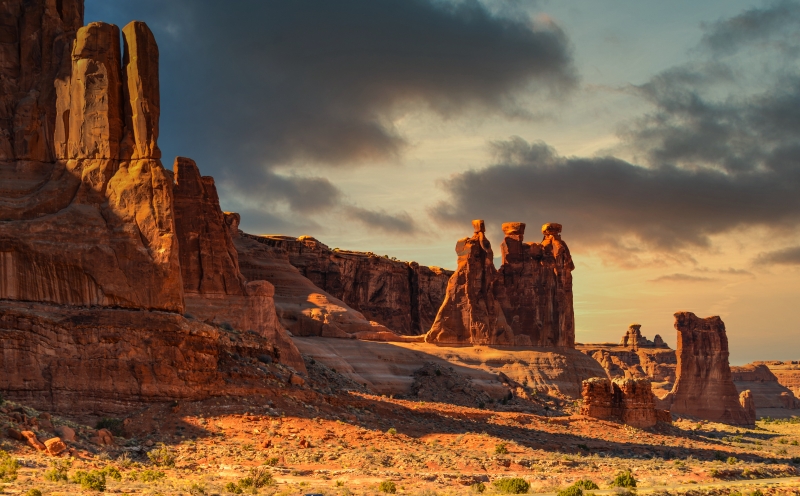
(527, 302)
(91, 288)
(630, 401)
(704, 385)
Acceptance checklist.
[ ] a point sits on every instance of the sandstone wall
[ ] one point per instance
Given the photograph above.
(214, 288)
(765, 390)
(111, 361)
(402, 296)
(704, 385)
(85, 223)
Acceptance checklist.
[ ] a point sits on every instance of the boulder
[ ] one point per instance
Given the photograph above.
(103, 437)
(704, 385)
(33, 441)
(55, 446)
(66, 433)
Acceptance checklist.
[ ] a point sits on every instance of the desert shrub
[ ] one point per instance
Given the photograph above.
(511, 485)
(150, 475)
(796, 460)
(387, 487)
(571, 491)
(501, 449)
(757, 492)
(732, 460)
(33, 492)
(162, 456)
(58, 470)
(478, 487)
(586, 484)
(271, 462)
(624, 479)
(113, 425)
(197, 490)
(392, 431)
(233, 488)
(8, 467)
(112, 472)
(94, 480)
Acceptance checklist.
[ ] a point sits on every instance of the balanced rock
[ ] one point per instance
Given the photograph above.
(703, 385)
(471, 313)
(55, 446)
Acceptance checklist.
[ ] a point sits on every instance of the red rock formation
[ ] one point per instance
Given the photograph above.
(214, 289)
(86, 227)
(749, 405)
(402, 296)
(766, 391)
(704, 386)
(303, 308)
(470, 313)
(110, 361)
(630, 401)
(533, 289)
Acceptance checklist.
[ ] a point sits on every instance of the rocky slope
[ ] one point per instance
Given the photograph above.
(401, 296)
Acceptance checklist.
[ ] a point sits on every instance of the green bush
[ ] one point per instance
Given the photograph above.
(150, 475)
(33, 492)
(233, 488)
(162, 456)
(94, 480)
(8, 467)
(571, 491)
(387, 487)
(112, 472)
(478, 487)
(58, 470)
(757, 492)
(392, 431)
(586, 484)
(624, 479)
(512, 485)
(271, 462)
(501, 449)
(113, 425)
(732, 460)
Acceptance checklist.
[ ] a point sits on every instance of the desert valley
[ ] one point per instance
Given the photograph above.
(151, 346)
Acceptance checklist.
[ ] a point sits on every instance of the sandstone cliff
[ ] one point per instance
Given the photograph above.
(402, 296)
(527, 302)
(766, 392)
(704, 385)
(90, 263)
(214, 289)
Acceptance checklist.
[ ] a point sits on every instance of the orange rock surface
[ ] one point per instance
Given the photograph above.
(704, 385)
(629, 401)
(527, 302)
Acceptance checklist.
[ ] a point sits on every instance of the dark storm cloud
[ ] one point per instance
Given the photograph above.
(787, 256)
(756, 26)
(400, 223)
(251, 85)
(711, 157)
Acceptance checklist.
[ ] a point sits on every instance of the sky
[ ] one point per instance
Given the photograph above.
(664, 136)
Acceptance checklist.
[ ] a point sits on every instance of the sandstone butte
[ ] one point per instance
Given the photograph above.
(96, 236)
(630, 401)
(704, 385)
(527, 302)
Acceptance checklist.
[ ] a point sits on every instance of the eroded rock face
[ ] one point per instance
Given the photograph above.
(630, 401)
(634, 339)
(704, 386)
(527, 302)
(401, 296)
(215, 290)
(471, 312)
(82, 226)
(749, 405)
(765, 390)
(119, 359)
